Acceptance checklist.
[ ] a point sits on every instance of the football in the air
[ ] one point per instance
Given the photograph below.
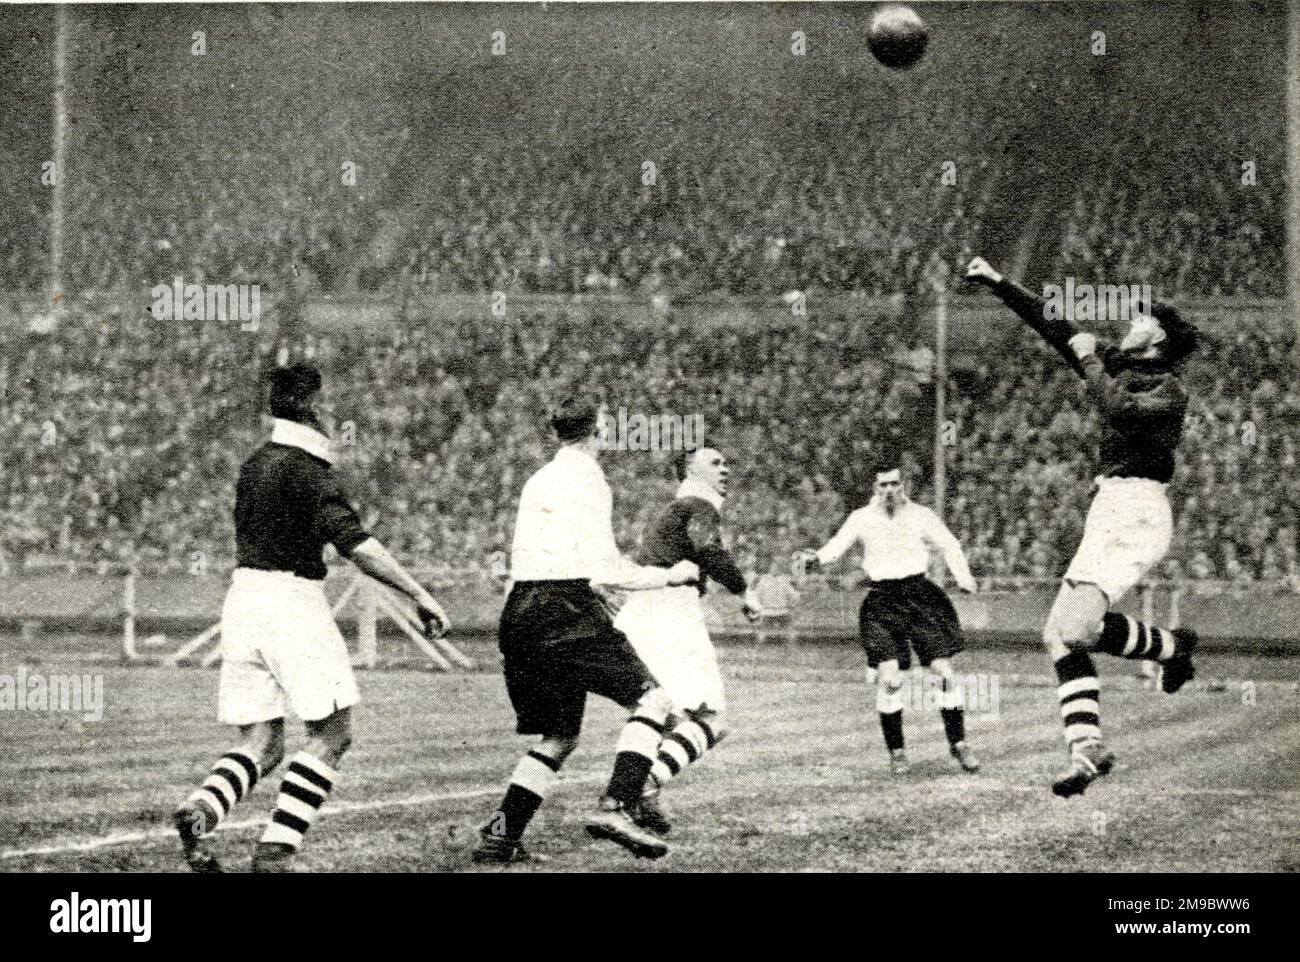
(897, 37)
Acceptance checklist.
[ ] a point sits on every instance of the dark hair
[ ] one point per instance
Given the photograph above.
(574, 419)
(291, 388)
(886, 456)
(1181, 336)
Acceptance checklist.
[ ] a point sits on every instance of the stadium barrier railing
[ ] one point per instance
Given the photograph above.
(172, 617)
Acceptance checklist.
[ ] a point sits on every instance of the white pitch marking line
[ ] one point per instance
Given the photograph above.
(339, 808)
(345, 808)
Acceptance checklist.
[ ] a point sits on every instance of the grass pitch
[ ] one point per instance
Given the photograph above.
(1207, 780)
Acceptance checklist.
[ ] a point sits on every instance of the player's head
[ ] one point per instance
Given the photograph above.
(295, 394)
(706, 465)
(1160, 334)
(889, 485)
(575, 420)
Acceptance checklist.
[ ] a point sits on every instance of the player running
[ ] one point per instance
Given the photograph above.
(904, 611)
(1129, 526)
(667, 629)
(558, 643)
(280, 647)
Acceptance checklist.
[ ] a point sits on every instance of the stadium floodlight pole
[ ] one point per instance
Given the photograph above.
(1293, 160)
(941, 395)
(60, 133)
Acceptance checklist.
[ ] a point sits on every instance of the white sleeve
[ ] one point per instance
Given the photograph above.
(610, 569)
(849, 534)
(938, 534)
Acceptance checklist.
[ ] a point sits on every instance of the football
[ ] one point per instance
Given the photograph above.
(897, 37)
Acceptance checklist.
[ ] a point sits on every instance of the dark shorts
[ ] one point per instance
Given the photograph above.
(558, 644)
(910, 614)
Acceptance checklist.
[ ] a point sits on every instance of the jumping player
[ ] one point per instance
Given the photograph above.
(667, 629)
(1129, 526)
(904, 611)
(280, 646)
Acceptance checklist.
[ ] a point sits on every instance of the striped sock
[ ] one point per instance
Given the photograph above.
(233, 776)
(1078, 693)
(1127, 637)
(638, 744)
(686, 743)
(951, 702)
(529, 785)
(306, 785)
(890, 706)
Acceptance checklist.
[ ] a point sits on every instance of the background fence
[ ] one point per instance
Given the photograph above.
(1261, 618)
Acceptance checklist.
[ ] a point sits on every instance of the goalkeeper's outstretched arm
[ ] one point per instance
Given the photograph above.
(1029, 307)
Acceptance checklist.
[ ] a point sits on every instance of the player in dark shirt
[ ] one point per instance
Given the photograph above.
(689, 528)
(1141, 402)
(280, 646)
(288, 507)
(667, 627)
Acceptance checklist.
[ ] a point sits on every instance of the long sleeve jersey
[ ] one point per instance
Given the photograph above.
(1142, 404)
(897, 546)
(690, 529)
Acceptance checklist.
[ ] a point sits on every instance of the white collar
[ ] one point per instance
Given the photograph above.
(690, 488)
(303, 437)
(877, 503)
(579, 456)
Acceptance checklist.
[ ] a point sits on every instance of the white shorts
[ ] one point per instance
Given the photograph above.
(281, 648)
(666, 627)
(1127, 532)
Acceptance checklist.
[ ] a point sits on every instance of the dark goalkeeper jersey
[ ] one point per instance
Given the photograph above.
(690, 529)
(1142, 405)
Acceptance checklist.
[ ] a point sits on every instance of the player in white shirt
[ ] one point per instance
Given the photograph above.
(558, 643)
(904, 611)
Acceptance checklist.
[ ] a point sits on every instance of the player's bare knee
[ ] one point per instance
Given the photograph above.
(558, 747)
(890, 679)
(332, 735)
(889, 699)
(264, 742)
(272, 750)
(655, 705)
(1079, 631)
(1075, 620)
(1054, 645)
(943, 668)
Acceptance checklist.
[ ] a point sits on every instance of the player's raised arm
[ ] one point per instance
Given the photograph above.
(1029, 307)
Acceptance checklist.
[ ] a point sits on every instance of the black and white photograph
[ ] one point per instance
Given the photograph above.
(730, 438)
